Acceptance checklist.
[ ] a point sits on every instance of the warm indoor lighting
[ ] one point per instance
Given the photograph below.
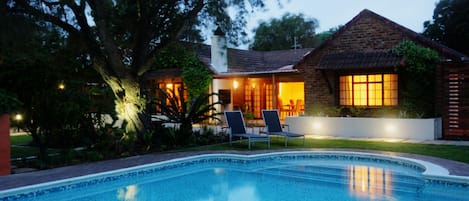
(235, 84)
(169, 86)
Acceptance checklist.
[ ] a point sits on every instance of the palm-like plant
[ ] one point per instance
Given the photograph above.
(175, 109)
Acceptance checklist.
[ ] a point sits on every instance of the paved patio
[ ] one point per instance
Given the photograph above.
(36, 177)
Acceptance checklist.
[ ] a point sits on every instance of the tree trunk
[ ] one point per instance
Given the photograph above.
(130, 104)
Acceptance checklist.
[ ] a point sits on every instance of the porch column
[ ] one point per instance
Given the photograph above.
(274, 92)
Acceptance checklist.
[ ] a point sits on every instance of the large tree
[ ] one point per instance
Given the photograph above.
(450, 24)
(291, 31)
(122, 38)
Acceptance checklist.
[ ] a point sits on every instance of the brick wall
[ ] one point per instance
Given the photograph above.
(364, 33)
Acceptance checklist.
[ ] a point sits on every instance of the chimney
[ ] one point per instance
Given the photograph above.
(219, 53)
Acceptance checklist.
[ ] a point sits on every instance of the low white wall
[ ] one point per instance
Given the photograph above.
(352, 127)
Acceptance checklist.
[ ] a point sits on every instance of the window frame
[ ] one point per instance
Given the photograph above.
(393, 99)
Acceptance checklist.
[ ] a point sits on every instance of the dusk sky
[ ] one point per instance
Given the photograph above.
(332, 13)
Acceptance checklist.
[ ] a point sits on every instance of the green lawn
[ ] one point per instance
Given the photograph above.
(451, 152)
(21, 139)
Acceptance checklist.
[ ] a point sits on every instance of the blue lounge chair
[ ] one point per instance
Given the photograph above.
(237, 129)
(274, 127)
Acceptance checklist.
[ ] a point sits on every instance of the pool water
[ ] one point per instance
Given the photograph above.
(282, 177)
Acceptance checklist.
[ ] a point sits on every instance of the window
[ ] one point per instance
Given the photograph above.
(368, 90)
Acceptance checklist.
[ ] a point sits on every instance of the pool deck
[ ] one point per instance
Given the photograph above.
(36, 177)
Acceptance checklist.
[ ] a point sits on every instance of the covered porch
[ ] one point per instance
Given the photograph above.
(253, 93)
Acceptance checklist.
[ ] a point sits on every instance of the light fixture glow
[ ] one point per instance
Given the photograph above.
(61, 86)
(18, 117)
(316, 125)
(390, 128)
(235, 84)
(169, 85)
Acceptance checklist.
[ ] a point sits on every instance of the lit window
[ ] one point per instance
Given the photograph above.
(368, 90)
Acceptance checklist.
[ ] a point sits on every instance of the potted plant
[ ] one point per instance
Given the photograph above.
(8, 104)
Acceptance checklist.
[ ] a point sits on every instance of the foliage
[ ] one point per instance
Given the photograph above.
(197, 79)
(121, 39)
(196, 76)
(418, 92)
(322, 36)
(280, 34)
(175, 109)
(8, 102)
(324, 111)
(450, 24)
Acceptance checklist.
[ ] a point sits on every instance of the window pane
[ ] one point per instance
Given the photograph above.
(390, 89)
(375, 94)
(374, 78)
(359, 93)
(359, 78)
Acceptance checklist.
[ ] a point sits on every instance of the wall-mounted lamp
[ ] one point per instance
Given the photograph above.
(235, 84)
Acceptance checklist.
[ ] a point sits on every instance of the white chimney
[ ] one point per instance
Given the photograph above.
(219, 53)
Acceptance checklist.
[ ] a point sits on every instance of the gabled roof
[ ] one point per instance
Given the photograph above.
(254, 62)
(406, 33)
(359, 60)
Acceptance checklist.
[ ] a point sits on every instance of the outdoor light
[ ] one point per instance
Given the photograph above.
(390, 128)
(61, 86)
(18, 117)
(235, 84)
(316, 125)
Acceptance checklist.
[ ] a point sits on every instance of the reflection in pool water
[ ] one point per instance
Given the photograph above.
(282, 176)
(128, 193)
(369, 182)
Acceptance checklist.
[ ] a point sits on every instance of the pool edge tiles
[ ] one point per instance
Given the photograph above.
(428, 169)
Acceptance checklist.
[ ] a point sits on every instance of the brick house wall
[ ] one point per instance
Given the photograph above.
(367, 32)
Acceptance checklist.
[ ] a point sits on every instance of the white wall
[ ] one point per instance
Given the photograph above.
(219, 54)
(413, 129)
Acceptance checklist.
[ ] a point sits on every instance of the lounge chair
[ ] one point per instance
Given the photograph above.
(274, 127)
(237, 129)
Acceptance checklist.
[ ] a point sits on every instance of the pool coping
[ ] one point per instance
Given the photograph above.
(437, 168)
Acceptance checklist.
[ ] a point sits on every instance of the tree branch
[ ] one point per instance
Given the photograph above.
(177, 29)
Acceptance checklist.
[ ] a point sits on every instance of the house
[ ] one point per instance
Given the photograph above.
(354, 68)
(244, 79)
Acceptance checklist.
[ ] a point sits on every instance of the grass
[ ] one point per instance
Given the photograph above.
(21, 139)
(451, 152)
(20, 148)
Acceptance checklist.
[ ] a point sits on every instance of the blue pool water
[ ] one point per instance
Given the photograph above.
(288, 176)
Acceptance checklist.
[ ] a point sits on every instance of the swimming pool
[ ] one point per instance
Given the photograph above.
(299, 175)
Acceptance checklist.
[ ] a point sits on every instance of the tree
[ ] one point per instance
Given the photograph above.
(450, 24)
(291, 31)
(326, 34)
(122, 38)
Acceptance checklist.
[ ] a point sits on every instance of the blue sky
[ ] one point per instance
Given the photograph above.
(331, 13)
